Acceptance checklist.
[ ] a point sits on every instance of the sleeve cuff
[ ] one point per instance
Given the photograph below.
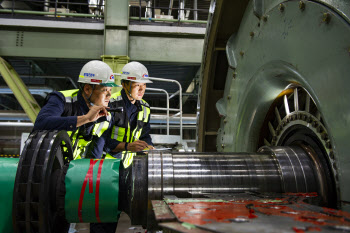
(71, 123)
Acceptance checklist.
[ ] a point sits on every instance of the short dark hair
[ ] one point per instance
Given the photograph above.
(82, 85)
(125, 81)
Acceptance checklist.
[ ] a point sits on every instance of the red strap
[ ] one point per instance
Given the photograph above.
(98, 191)
(88, 177)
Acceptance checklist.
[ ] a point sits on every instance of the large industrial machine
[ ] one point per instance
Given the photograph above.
(273, 129)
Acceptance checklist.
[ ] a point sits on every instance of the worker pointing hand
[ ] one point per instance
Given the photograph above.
(72, 110)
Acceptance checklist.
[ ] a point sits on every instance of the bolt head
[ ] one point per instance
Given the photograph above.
(281, 7)
(228, 97)
(264, 18)
(241, 53)
(302, 5)
(234, 74)
(251, 34)
(326, 18)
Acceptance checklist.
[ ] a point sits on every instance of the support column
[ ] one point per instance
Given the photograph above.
(116, 63)
(116, 37)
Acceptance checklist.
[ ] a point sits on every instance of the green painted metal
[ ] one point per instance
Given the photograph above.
(183, 50)
(289, 45)
(49, 13)
(19, 89)
(116, 42)
(51, 44)
(78, 173)
(116, 63)
(8, 168)
(117, 13)
(116, 36)
(169, 20)
(74, 46)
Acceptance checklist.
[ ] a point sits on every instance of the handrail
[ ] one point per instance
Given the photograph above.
(95, 16)
(49, 13)
(167, 105)
(180, 98)
(169, 20)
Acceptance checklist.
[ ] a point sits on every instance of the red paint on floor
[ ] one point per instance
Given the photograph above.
(200, 213)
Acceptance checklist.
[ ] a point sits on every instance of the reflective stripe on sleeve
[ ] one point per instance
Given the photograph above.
(148, 112)
(118, 133)
(100, 128)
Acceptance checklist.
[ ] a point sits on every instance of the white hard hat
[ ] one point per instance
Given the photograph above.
(97, 72)
(135, 72)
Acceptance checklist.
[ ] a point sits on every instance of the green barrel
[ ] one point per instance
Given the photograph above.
(8, 169)
(92, 190)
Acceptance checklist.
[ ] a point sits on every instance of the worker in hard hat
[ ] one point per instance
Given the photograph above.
(130, 132)
(131, 126)
(81, 112)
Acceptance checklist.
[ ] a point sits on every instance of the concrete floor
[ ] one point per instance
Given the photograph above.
(124, 226)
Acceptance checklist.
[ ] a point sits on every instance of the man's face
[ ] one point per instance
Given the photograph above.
(137, 90)
(101, 95)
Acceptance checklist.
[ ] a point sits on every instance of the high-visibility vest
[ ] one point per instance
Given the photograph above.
(121, 130)
(71, 108)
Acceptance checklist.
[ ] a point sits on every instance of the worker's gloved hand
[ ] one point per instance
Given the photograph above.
(137, 146)
(96, 112)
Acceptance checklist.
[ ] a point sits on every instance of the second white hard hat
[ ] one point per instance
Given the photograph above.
(135, 72)
(97, 72)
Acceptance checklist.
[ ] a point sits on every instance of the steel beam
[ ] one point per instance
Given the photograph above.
(116, 63)
(77, 40)
(116, 35)
(169, 49)
(27, 101)
(50, 44)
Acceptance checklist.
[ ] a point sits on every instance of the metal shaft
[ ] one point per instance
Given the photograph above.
(279, 169)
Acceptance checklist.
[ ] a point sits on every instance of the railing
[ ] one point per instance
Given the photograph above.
(95, 9)
(178, 111)
(54, 8)
(150, 12)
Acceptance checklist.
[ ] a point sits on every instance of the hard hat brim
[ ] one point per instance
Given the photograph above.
(109, 84)
(136, 81)
(139, 81)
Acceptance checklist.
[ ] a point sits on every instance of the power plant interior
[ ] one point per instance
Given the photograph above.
(250, 116)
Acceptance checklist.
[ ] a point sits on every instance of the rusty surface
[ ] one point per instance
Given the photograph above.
(290, 211)
(162, 211)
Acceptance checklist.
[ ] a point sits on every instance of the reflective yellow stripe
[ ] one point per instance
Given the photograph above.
(70, 95)
(118, 133)
(140, 114)
(100, 128)
(108, 156)
(148, 112)
(129, 158)
(128, 133)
